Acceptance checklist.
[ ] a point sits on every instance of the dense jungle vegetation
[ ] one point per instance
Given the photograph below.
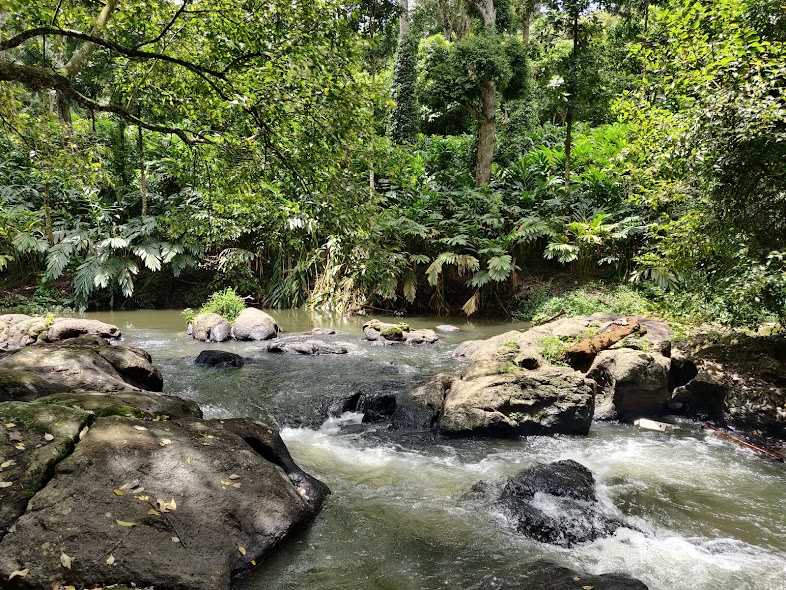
(432, 154)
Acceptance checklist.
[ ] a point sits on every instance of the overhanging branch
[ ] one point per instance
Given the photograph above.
(43, 78)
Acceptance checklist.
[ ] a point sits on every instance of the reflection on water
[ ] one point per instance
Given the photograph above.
(702, 514)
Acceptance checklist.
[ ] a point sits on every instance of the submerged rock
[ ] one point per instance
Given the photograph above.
(447, 328)
(557, 504)
(87, 368)
(176, 504)
(211, 327)
(219, 359)
(254, 324)
(320, 332)
(309, 347)
(544, 575)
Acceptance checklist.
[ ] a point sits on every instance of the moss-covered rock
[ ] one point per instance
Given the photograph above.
(33, 439)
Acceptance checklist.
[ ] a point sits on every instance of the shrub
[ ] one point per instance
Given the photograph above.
(227, 304)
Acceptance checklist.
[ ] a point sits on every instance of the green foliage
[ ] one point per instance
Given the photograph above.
(554, 349)
(585, 300)
(404, 117)
(227, 304)
(707, 156)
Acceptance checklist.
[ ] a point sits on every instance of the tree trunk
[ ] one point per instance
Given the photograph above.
(529, 10)
(487, 132)
(142, 179)
(403, 19)
(568, 146)
(571, 98)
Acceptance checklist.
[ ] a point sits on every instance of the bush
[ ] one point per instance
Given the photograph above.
(585, 300)
(227, 304)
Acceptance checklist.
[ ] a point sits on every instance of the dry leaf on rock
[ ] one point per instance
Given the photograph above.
(6, 484)
(166, 506)
(65, 560)
(19, 573)
(139, 427)
(48, 437)
(8, 463)
(125, 523)
(142, 498)
(110, 560)
(241, 549)
(164, 442)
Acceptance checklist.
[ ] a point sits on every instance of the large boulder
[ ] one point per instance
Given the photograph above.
(254, 324)
(144, 405)
(420, 409)
(24, 386)
(548, 400)
(219, 359)
(543, 575)
(63, 328)
(33, 439)
(635, 383)
(211, 327)
(167, 504)
(17, 330)
(87, 367)
(557, 504)
(307, 347)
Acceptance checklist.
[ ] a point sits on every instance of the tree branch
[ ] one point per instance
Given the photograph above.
(167, 27)
(44, 78)
(126, 51)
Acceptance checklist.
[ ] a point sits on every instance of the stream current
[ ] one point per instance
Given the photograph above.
(703, 514)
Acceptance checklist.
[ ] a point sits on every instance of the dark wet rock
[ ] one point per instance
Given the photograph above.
(518, 402)
(211, 327)
(38, 437)
(63, 328)
(420, 409)
(320, 332)
(219, 359)
(376, 401)
(147, 405)
(447, 328)
(735, 379)
(635, 383)
(24, 386)
(704, 396)
(254, 324)
(134, 365)
(235, 497)
(87, 368)
(308, 347)
(557, 504)
(544, 575)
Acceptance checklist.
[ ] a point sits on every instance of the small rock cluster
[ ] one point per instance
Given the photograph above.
(18, 330)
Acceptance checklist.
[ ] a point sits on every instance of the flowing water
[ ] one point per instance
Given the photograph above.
(702, 513)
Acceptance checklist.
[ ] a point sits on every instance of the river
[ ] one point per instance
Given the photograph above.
(703, 513)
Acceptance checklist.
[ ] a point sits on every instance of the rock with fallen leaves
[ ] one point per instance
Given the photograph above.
(33, 439)
(184, 512)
